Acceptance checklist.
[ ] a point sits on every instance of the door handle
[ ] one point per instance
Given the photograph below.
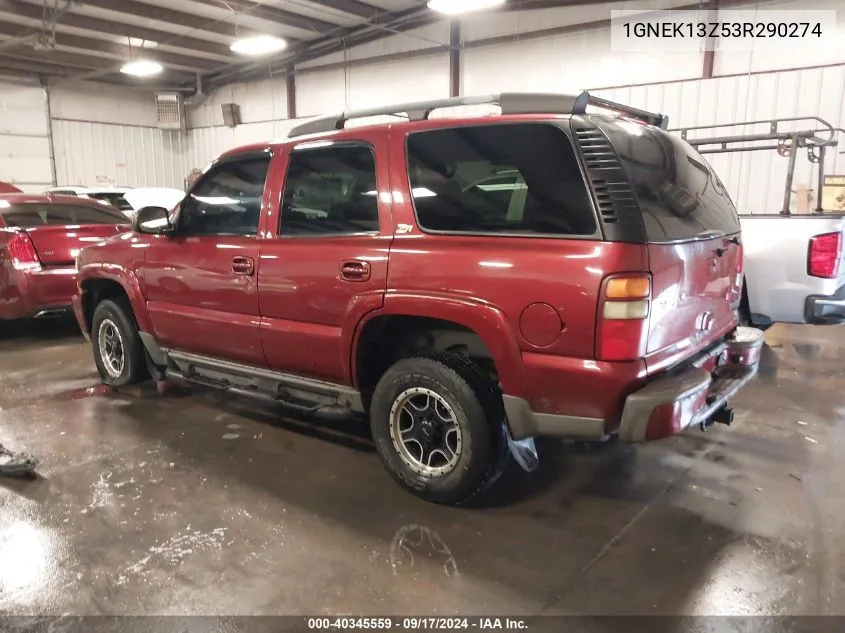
(243, 265)
(355, 270)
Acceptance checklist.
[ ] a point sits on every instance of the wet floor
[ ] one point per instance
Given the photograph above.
(205, 504)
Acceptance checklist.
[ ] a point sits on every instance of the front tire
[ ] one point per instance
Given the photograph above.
(118, 351)
(439, 426)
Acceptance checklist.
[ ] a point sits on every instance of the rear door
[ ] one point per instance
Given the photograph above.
(60, 230)
(324, 262)
(693, 233)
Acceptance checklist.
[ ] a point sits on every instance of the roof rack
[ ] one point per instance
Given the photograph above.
(815, 137)
(509, 102)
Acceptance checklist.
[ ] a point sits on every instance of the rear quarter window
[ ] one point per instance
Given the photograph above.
(679, 193)
(34, 214)
(521, 179)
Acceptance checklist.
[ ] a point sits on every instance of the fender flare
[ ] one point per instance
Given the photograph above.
(486, 320)
(127, 280)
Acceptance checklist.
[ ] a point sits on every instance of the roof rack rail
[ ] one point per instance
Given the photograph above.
(509, 102)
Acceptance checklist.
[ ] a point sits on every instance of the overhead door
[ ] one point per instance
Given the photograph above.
(24, 136)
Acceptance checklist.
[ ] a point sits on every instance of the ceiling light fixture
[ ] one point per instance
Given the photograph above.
(141, 68)
(258, 45)
(454, 7)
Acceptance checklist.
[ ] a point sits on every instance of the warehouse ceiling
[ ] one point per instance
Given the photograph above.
(92, 39)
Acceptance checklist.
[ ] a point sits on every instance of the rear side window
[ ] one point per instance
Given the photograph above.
(34, 214)
(680, 195)
(330, 191)
(509, 178)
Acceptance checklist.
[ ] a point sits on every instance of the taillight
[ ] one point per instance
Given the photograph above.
(824, 255)
(22, 253)
(623, 318)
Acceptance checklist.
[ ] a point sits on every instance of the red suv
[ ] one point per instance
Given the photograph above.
(565, 268)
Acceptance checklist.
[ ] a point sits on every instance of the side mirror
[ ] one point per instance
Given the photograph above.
(154, 220)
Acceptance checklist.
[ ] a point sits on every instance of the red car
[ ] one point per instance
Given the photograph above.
(40, 237)
(469, 283)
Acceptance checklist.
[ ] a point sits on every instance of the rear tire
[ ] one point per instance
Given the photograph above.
(438, 423)
(118, 351)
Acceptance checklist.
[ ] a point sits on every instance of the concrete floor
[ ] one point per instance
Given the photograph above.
(203, 504)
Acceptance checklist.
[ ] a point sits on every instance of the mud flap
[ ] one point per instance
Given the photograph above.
(524, 452)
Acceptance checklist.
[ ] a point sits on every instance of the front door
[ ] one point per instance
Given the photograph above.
(201, 281)
(324, 262)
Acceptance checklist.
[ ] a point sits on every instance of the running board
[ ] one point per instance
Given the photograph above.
(304, 395)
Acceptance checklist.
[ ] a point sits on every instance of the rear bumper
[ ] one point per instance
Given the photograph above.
(40, 294)
(650, 409)
(693, 397)
(823, 309)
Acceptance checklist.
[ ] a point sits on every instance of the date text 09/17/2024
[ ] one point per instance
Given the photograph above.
(417, 624)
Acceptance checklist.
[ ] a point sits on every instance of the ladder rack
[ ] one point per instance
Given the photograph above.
(816, 137)
(509, 102)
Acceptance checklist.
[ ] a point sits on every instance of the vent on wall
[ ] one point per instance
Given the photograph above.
(231, 114)
(170, 111)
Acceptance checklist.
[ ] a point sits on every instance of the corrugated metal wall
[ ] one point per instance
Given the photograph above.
(24, 136)
(206, 143)
(91, 154)
(756, 180)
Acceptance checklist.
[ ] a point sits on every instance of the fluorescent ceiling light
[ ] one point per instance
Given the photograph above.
(454, 7)
(258, 45)
(141, 68)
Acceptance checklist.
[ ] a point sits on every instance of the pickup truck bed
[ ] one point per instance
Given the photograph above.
(778, 280)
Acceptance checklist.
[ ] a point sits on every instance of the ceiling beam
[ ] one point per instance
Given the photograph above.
(18, 66)
(62, 59)
(223, 26)
(117, 50)
(31, 12)
(353, 7)
(389, 23)
(272, 14)
(75, 63)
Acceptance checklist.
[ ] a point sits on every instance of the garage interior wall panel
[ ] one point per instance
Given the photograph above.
(24, 136)
(102, 103)
(259, 101)
(90, 154)
(793, 57)
(568, 63)
(104, 135)
(205, 144)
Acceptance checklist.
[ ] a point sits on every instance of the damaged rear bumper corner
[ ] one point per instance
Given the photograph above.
(672, 404)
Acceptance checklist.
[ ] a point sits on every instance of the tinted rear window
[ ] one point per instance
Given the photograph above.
(35, 214)
(507, 178)
(681, 196)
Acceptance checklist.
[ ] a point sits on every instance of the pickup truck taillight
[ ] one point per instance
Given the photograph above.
(624, 308)
(22, 253)
(824, 255)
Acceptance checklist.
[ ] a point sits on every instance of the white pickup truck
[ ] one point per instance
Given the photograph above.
(793, 267)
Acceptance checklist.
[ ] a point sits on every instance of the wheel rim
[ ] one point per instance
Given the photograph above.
(111, 348)
(425, 432)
